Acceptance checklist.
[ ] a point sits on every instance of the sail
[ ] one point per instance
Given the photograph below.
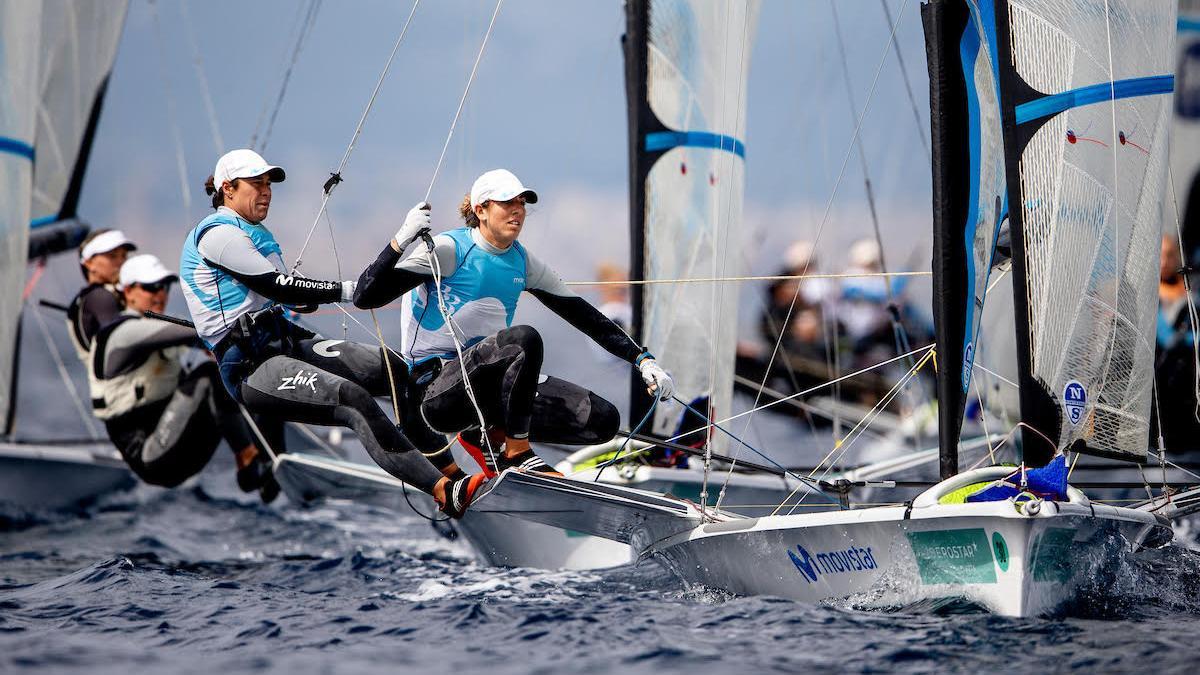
(1086, 100)
(1185, 134)
(969, 197)
(686, 64)
(78, 47)
(20, 37)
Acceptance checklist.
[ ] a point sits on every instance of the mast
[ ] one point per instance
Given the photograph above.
(968, 200)
(642, 122)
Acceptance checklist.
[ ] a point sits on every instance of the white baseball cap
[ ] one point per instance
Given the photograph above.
(244, 163)
(499, 185)
(103, 243)
(144, 269)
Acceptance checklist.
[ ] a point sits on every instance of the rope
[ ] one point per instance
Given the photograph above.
(336, 176)
(84, 414)
(172, 114)
(776, 277)
(625, 444)
(821, 229)
(306, 26)
(205, 93)
(463, 100)
(912, 101)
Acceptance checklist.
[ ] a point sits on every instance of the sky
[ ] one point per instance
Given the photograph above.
(548, 103)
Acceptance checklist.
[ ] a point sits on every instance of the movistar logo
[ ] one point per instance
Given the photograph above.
(853, 559)
(301, 282)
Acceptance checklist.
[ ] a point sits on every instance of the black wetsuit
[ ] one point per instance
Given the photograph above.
(278, 368)
(504, 368)
(170, 434)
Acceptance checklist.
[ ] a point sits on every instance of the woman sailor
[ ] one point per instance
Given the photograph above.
(165, 420)
(235, 282)
(100, 258)
(482, 270)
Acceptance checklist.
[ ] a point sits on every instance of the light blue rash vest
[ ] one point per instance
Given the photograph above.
(481, 295)
(214, 298)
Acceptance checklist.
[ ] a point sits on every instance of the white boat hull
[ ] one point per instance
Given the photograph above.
(498, 538)
(990, 554)
(48, 477)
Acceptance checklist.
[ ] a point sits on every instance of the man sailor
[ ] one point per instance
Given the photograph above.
(165, 420)
(100, 258)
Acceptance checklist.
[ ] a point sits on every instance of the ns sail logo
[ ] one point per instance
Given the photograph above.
(853, 559)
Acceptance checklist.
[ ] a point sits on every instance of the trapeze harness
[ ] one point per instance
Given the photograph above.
(236, 286)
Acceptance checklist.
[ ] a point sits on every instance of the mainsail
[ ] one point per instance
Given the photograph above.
(1059, 111)
(57, 55)
(20, 37)
(686, 63)
(79, 45)
(1085, 94)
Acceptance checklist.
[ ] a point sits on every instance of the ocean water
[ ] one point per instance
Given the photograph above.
(203, 579)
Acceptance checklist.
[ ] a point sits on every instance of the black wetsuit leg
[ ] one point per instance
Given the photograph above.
(298, 391)
(167, 442)
(564, 412)
(503, 370)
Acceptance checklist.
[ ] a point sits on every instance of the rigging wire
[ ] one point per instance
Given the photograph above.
(205, 93)
(824, 221)
(336, 176)
(912, 101)
(61, 366)
(305, 29)
(172, 113)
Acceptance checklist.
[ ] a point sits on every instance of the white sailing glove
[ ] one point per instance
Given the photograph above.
(418, 219)
(348, 290)
(658, 381)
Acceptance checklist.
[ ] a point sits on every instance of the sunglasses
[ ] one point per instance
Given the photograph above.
(155, 287)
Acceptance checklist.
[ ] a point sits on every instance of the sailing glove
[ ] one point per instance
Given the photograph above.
(418, 219)
(657, 380)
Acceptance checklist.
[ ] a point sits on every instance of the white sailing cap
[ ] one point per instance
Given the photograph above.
(865, 253)
(499, 185)
(144, 269)
(244, 163)
(103, 243)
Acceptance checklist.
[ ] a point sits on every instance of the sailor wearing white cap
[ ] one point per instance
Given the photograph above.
(165, 420)
(100, 257)
(484, 270)
(236, 284)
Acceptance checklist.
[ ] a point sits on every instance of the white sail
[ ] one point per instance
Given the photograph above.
(79, 44)
(20, 37)
(697, 64)
(1093, 139)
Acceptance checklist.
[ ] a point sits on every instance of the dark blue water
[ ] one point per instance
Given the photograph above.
(202, 579)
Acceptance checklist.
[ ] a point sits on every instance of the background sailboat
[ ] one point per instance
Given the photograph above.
(58, 56)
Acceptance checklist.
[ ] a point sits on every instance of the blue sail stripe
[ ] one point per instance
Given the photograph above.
(1095, 93)
(13, 146)
(1188, 24)
(665, 140)
(43, 221)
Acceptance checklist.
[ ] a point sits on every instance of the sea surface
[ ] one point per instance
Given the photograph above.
(203, 579)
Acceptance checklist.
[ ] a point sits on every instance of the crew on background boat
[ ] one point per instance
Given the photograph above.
(100, 258)
(236, 286)
(482, 270)
(1175, 355)
(166, 420)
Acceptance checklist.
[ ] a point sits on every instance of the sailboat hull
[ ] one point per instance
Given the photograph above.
(1002, 558)
(36, 477)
